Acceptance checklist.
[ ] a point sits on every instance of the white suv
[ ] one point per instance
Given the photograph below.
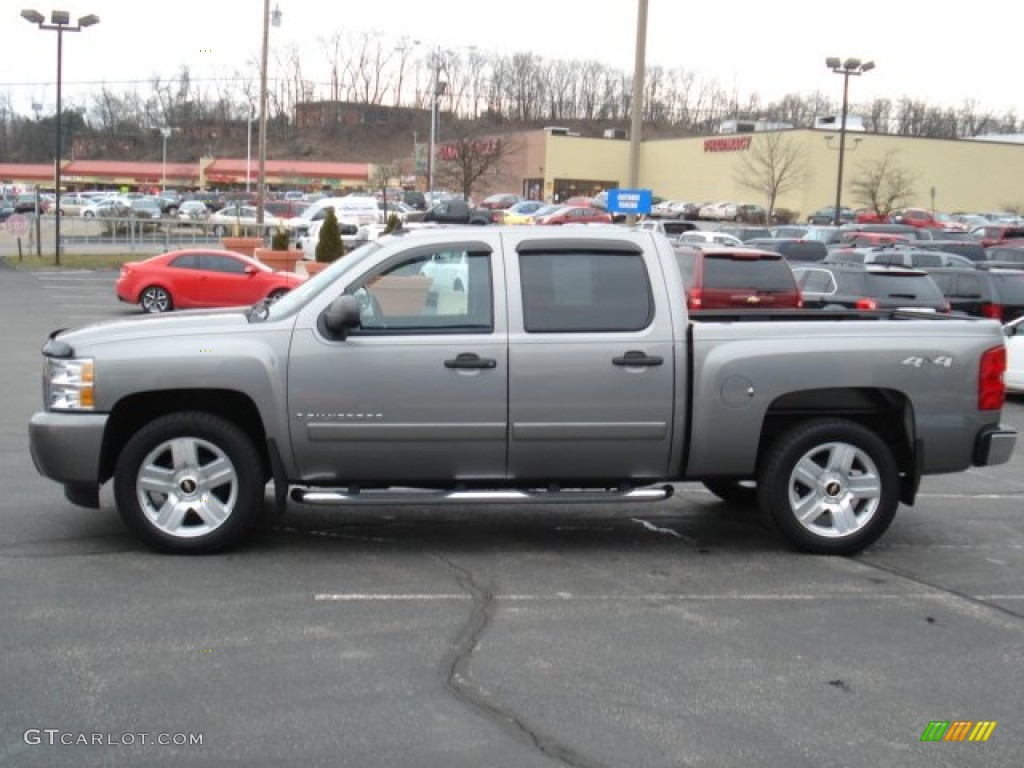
(353, 212)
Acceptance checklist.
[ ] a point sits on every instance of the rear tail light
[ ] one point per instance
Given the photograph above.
(865, 304)
(695, 298)
(995, 311)
(991, 388)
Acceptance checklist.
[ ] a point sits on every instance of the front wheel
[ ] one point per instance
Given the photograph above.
(189, 482)
(831, 485)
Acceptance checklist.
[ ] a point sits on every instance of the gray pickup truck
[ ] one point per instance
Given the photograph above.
(514, 364)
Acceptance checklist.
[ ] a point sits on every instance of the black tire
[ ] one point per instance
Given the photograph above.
(190, 483)
(739, 493)
(276, 294)
(843, 473)
(88, 215)
(155, 299)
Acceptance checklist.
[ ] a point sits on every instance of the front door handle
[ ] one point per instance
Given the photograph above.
(470, 360)
(636, 357)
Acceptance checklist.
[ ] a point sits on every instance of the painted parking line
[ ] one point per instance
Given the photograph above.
(415, 597)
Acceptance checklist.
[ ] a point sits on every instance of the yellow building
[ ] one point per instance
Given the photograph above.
(949, 175)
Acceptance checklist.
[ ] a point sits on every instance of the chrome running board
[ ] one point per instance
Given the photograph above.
(335, 496)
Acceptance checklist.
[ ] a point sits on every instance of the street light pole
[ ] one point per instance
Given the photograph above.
(434, 95)
(60, 22)
(637, 121)
(248, 148)
(437, 90)
(261, 190)
(165, 132)
(846, 68)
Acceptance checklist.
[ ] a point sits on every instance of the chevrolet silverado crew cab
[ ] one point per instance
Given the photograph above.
(548, 365)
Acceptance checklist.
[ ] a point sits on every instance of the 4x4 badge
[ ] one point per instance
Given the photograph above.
(914, 361)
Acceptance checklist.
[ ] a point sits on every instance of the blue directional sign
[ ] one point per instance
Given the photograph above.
(629, 201)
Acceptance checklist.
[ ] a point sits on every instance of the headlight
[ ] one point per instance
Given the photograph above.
(69, 384)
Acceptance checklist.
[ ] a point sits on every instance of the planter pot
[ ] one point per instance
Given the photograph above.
(313, 267)
(282, 261)
(243, 245)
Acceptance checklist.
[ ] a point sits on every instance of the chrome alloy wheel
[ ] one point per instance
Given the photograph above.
(155, 299)
(834, 490)
(187, 487)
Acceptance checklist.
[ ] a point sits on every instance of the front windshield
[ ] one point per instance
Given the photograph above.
(297, 297)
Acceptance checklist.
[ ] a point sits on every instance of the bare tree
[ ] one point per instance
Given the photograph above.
(883, 185)
(465, 158)
(773, 166)
(382, 176)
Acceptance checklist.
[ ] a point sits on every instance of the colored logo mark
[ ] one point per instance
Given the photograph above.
(958, 730)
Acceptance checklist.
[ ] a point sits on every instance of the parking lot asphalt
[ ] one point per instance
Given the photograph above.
(681, 633)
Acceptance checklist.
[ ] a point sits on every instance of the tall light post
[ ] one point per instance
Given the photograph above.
(261, 191)
(164, 132)
(846, 68)
(60, 22)
(248, 148)
(637, 122)
(437, 89)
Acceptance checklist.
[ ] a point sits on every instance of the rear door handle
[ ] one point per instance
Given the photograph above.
(636, 357)
(470, 360)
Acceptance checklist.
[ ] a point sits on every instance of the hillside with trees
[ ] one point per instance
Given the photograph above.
(375, 105)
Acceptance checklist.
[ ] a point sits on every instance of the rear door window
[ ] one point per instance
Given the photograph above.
(567, 292)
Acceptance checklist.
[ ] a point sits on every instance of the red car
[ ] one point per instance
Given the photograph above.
(192, 279)
(727, 277)
(573, 214)
(869, 216)
(922, 219)
(997, 234)
(500, 201)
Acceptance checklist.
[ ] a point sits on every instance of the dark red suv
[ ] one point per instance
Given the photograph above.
(727, 277)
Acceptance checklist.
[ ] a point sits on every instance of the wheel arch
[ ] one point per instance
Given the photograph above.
(135, 411)
(886, 412)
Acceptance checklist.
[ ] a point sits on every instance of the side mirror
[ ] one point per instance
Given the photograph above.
(249, 270)
(341, 316)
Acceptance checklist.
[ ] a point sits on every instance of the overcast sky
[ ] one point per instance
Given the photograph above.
(925, 51)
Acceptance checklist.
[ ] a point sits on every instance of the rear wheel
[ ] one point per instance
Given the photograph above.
(189, 482)
(276, 294)
(155, 299)
(831, 485)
